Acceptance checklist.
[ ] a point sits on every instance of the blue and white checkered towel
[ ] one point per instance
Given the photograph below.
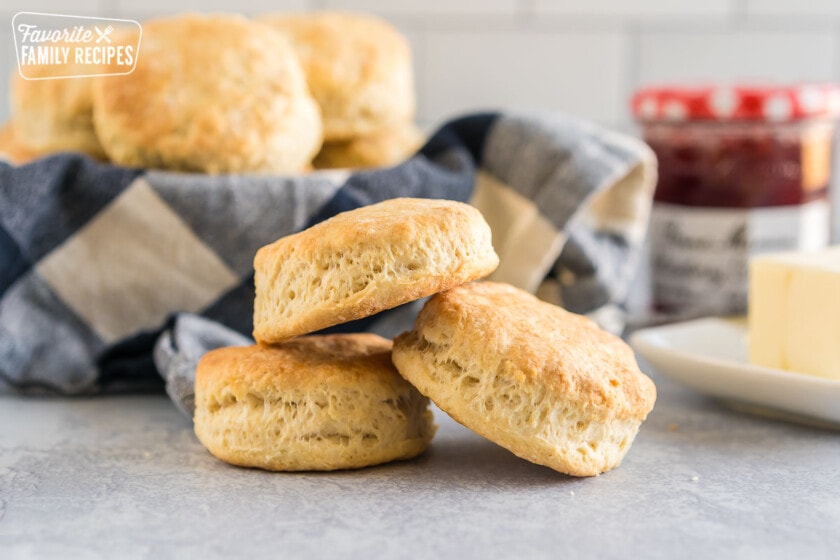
(98, 264)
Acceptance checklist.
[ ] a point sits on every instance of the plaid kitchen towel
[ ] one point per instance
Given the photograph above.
(99, 263)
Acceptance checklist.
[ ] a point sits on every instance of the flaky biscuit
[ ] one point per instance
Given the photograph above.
(315, 403)
(214, 94)
(358, 67)
(11, 150)
(380, 149)
(546, 384)
(54, 115)
(360, 262)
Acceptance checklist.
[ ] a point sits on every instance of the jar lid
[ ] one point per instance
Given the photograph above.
(737, 103)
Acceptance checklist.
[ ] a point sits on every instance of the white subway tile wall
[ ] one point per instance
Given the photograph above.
(640, 9)
(151, 8)
(493, 69)
(426, 7)
(732, 55)
(798, 8)
(80, 7)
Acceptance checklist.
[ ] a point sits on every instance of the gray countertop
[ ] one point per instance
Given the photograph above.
(124, 477)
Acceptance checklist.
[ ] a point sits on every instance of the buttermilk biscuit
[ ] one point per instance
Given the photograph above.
(367, 260)
(11, 149)
(358, 67)
(54, 115)
(214, 94)
(315, 403)
(380, 149)
(546, 384)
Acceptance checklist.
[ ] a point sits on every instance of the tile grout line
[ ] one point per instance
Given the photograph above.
(632, 68)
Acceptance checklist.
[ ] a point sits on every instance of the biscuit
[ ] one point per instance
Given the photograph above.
(546, 384)
(315, 403)
(380, 149)
(213, 94)
(367, 260)
(54, 115)
(11, 149)
(358, 67)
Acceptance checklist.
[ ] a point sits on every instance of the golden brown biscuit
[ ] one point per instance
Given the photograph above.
(546, 384)
(315, 403)
(214, 94)
(54, 115)
(11, 149)
(367, 260)
(358, 67)
(380, 149)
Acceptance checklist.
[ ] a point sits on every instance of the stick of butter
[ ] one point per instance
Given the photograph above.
(794, 312)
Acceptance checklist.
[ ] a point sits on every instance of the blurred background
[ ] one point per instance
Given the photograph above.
(584, 57)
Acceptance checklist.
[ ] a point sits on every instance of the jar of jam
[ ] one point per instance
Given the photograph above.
(742, 170)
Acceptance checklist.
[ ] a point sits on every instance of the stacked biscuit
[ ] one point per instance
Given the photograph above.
(296, 402)
(225, 94)
(546, 384)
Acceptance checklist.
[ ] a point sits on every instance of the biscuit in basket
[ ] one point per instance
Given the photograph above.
(214, 94)
(358, 67)
(315, 403)
(367, 260)
(380, 149)
(11, 149)
(546, 384)
(54, 115)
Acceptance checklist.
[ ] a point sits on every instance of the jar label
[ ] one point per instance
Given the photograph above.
(700, 255)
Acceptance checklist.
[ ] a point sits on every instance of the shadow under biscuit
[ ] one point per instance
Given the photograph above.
(463, 454)
(459, 459)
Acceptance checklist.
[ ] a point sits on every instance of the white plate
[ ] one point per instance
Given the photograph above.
(710, 355)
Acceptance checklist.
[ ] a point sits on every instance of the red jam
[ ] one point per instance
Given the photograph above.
(740, 165)
(742, 171)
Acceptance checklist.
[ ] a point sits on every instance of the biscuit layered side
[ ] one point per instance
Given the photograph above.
(334, 402)
(365, 261)
(386, 147)
(316, 403)
(546, 384)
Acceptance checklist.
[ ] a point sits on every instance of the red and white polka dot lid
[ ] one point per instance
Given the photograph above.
(737, 103)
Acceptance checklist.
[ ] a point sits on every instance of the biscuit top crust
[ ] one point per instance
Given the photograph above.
(205, 87)
(194, 59)
(547, 345)
(366, 260)
(358, 67)
(395, 222)
(343, 48)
